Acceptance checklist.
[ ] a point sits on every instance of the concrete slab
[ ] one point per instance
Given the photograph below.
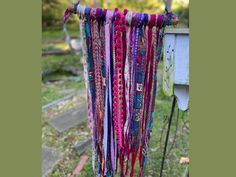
(50, 157)
(82, 146)
(69, 119)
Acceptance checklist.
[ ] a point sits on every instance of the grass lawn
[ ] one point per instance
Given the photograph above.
(59, 46)
(57, 68)
(54, 63)
(52, 92)
(73, 30)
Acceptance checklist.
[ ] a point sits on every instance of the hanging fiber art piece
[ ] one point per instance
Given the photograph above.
(121, 51)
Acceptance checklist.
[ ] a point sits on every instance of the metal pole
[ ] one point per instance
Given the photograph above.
(167, 135)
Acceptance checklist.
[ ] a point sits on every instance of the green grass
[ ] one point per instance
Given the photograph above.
(60, 46)
(54, 63)
(52, 92)
(57, 68)
(52, 34)
(72, 29)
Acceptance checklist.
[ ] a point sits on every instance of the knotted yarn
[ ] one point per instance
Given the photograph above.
(121, 51)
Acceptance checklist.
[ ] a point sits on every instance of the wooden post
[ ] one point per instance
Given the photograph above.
(168, 3)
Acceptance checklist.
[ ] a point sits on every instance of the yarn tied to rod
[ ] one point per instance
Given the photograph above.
(122, 51)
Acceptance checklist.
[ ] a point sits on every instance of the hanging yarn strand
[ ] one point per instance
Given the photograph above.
(121, 51)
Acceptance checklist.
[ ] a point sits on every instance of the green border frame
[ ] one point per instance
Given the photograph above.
(20, 111)
(212, 87)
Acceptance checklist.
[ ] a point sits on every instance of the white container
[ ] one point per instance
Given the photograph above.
(176, 65)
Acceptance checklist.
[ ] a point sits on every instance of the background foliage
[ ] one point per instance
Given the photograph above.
(52, 10)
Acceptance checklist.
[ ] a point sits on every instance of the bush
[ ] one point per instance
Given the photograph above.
(52, 14)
